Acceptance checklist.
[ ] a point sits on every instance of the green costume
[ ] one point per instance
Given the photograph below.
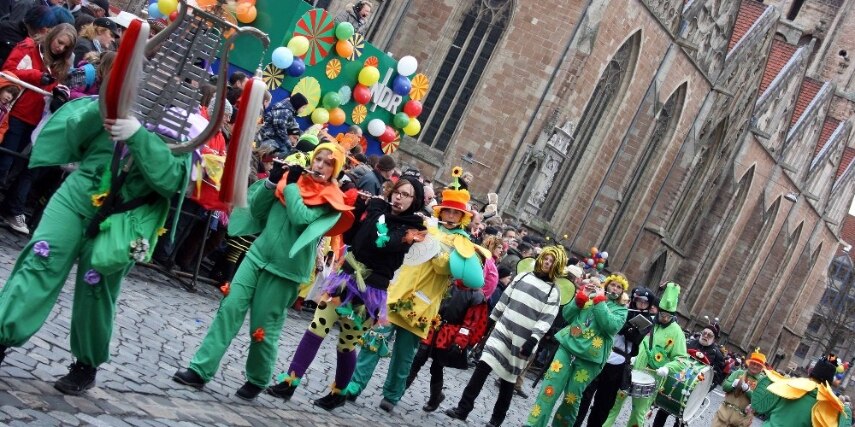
(732, 411)
(668, 344)
(403, 351)
(267, 281)
(585, 344)
(75, 133)
(792, 406)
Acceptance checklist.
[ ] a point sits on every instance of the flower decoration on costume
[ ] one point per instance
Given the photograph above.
(258, 335)
(98, 199)
(41, 248)
(556, 366)
(402, 304)
(226, 288)
(535, 412)
(549, 391)
(570, 398)
(669, 342)
(422, 323)
(597, 342)
(581, 376)
(139, 249)
(382, 232)
(161, 231)
(619, 278)
(292, 379)
(92, 277)
(435, 322)
(334, 389)
(658, 357)
(457, 172)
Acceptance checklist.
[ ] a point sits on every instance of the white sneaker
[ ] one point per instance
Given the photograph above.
(18, 223)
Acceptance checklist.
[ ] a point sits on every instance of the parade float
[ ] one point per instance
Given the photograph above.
(346, 80)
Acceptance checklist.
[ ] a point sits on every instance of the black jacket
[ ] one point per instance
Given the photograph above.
(714, 355)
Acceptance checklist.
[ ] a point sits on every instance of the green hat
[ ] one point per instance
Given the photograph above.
(669, 298)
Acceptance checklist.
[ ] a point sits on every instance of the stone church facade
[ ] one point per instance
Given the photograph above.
(701, 141)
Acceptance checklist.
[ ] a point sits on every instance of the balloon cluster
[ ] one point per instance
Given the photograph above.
(407, 120)
(596, 260)
(244, 10)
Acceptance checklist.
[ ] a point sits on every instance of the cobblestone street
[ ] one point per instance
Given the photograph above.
(158, 327)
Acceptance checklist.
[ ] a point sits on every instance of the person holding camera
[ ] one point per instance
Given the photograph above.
(357, 14)
(593, 319)
(617, 373)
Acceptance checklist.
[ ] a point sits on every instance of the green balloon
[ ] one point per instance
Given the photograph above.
(401, 120)
(332, 100)
(344, 31)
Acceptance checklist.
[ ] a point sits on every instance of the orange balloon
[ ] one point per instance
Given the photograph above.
(344, 48)
(206, 4)
(246, 13)
(252, 2)
(337, 116)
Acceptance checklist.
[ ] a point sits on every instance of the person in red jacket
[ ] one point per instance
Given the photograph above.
(42, 62)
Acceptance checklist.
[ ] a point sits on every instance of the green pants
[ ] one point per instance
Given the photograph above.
(640, 407)
(568, 374)
(403, 351)
(267, 298)
(37, 279)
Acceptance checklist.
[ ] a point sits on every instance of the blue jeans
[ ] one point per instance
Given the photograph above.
(17, 139)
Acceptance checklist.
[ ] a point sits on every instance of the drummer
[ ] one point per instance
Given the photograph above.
(668, 344)
(584, 345)
(704, 349)
(735, 410)
(603, 390)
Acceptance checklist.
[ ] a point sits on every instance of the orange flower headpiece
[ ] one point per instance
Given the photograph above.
(454, 197)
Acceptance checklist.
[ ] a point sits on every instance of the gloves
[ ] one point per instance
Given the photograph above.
(735, 383)
(60, 97)
(527, 348)
(123, 129)
(276, 172)
(47, 79)
(581, 299)
(632, 360)
(744, 386)
(599, 298)
(294, 173)
(662, 372)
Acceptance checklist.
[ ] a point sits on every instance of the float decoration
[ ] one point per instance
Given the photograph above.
(273, 76)
(318, 27)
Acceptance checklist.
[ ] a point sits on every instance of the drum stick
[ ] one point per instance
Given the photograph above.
(25, 85)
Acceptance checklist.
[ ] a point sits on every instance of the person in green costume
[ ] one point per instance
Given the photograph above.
(668, 344)
(77, 133)
(292, 211)
(801, 402)
(735, 410)
(584, 345)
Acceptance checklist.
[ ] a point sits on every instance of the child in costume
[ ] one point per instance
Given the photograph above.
(76, 133)
(356, 295)
(292, 211)
(584, 345)
(801, 402)
(735, 410)
(668, 344)
(416, 293)
(522, 317)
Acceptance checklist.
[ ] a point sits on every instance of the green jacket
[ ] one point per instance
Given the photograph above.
(668, 343)
(781, 412)
(75, 133)
(290, 233)
(590, 332)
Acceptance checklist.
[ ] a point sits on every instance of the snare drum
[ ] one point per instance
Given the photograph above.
(685, 387)
(643, 384)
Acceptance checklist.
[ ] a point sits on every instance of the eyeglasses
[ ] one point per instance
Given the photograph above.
(401, 195)
(707, 334)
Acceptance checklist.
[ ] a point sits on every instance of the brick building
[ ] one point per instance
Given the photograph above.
(702, 141)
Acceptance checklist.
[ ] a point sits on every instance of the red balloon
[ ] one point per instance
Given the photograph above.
(388, 135)
(361, 94)
(413, 108)
(173, 16)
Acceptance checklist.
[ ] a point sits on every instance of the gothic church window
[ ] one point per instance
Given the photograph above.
(478, 36)
(663, 129)
(601, 106)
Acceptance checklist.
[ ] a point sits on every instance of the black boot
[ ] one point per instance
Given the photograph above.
(80, 378)
(331, 401)
(189, 377)
(433, 402)
(248, 391)
(282, 390)
(456, 414)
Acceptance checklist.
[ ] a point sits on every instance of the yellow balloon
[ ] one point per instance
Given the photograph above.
(299, 45)
(369, 75)
(413, 127)
(167, 6)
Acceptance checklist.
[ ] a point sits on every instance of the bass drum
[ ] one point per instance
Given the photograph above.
(684, 389)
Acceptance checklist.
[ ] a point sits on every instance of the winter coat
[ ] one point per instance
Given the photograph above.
(715, 357)
(277, 120)
(510, 260)
(359, 25)
(415, 294)
(85, 46)
(26, 62)
(371, 182)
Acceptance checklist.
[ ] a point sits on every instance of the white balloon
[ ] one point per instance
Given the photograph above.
(376, 127)
(407, 65)
(605, 255)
